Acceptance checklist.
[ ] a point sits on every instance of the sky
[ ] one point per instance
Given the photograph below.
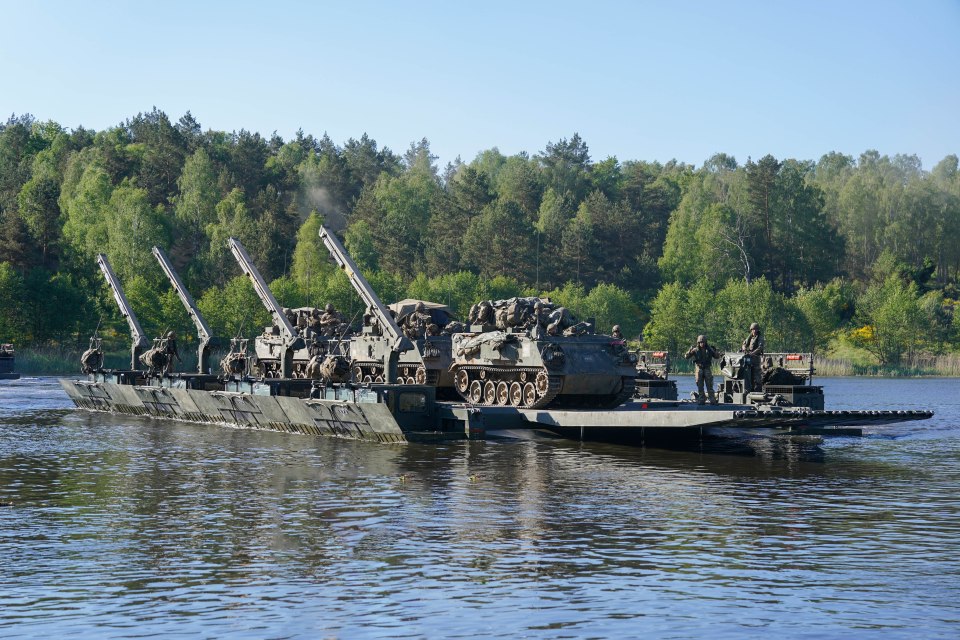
(653, 81)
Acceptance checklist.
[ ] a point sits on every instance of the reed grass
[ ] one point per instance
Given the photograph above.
(946, 365)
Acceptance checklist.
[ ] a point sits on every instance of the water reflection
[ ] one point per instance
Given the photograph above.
(122, 527)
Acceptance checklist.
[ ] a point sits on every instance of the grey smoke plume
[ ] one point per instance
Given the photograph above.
(319, 199)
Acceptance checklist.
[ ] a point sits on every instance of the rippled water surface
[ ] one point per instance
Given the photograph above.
(117, 527)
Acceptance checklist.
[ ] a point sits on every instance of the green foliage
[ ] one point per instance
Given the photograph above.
(894, 321)
(133, 228)
(233, 309)
(12, 321)
(459, 291)
(195, 205)
(311, 261)
(608, 305)
(781, 241)
(679, 314)
(826, 308)
(84, 200)
(500, 242)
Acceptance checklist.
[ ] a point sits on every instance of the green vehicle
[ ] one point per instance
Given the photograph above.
(383, 351)
(284, 350)
(786, 381)
(530, 369)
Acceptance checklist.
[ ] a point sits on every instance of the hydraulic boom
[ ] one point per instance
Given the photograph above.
(399, 343)
(292, 341)
(139, 339)
(203, 330)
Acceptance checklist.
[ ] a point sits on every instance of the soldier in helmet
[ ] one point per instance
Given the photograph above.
(616, 333)
(753, 347)
(418, 322)
(170, 349)
(703, 355)
(330, 320)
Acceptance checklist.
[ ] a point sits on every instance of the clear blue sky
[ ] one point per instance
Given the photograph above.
(637, 80)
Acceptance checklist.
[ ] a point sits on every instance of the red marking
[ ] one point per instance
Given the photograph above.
(659, 354)
(794, 356)
(643, 405)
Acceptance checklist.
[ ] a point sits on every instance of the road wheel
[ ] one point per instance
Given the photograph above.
(503, 393)
(543, 383)
(462, 381)
(476, 392)
(529, 394)
(489, 392)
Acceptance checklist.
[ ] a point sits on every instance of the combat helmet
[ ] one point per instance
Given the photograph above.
(754, 325)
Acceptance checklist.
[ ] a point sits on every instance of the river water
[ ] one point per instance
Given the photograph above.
(118, 527)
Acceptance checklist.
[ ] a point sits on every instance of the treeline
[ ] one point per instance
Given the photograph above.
(862, 252)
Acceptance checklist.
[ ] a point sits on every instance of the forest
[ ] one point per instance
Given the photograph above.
(845, 256)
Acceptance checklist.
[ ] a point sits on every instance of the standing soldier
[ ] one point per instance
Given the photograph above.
(703, 355)
(753, 348)
(170, 349)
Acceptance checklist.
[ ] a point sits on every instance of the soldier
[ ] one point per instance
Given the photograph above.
(753, 348)
(418, 321)
(484, 313)
(560, 319)
(170, 349)
(616, 333)
(703, 355)
(291, 316)
(330, 320)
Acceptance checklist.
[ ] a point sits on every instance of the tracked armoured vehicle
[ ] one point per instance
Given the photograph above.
(421, 350)
(529, 367)
(287, 351)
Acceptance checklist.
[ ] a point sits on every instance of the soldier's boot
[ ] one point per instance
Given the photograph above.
(713, 397)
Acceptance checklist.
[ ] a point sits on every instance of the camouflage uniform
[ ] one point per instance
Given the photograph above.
(616, 333)
(753, 347)
(703, 355)
(418, 322)
(559, 320)
(171, 351)
(330, 321)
